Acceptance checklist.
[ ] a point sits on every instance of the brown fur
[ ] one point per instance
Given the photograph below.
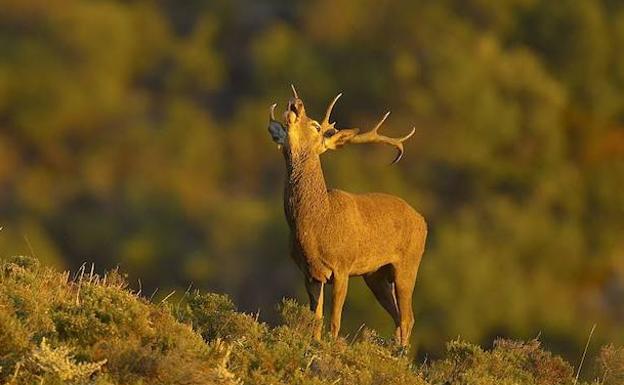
(336, 234)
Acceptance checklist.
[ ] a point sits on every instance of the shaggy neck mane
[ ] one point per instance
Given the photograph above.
(305, 195)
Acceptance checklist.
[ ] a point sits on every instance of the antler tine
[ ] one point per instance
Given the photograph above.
(406, 137)
(380, 122)
(373, 137)
(330, 108)
(294, 91)
(272, 111)
(399, 145)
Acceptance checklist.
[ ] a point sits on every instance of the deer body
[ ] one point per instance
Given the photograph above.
(336, 234)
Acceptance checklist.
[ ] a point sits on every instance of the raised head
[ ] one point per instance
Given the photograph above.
(299, 134)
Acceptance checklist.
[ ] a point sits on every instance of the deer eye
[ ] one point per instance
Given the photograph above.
(316, 126)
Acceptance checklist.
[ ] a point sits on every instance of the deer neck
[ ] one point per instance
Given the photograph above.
(306, 201)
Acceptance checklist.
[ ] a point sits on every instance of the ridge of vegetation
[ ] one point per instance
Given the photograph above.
(88, 329)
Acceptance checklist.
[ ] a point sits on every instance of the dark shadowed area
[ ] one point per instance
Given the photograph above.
(134, 134)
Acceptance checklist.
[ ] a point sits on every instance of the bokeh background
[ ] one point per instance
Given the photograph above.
(134, 134)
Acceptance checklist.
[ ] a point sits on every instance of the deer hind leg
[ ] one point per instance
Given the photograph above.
(381, 284)
(404, 284)
(315, 293)
(339, 294)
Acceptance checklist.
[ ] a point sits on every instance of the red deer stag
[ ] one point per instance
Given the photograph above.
(335, 234)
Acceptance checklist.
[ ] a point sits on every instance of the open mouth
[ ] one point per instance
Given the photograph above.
(293, 106)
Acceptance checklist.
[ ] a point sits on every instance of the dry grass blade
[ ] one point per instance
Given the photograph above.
(167, 297)
(30, 248)
(578, 372)
(357, 333)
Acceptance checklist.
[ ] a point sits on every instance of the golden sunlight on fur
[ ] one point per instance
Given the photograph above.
(335, 234)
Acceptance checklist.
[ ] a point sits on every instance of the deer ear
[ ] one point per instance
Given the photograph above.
(340, 138)
(277, 131)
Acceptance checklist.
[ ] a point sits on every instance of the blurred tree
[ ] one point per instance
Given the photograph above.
(134, 134)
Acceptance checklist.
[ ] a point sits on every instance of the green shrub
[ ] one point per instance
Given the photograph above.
(611, 362)
(93, 330)
(59, 364)
(509, 362)
(215, 316)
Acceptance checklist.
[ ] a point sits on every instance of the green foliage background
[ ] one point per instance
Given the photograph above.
(133, 133)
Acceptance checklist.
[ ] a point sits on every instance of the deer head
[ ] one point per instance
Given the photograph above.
(299, 134)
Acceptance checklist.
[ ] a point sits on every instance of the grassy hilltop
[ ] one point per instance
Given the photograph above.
(58, 328)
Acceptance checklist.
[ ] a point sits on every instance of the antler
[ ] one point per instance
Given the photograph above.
(373, 137)
(292, 87)
(329, 110)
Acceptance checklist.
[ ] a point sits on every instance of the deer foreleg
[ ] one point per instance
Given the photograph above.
(315, 293)
(339, 294)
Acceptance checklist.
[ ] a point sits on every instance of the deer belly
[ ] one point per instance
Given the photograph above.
(369, 265)
(370, 254)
